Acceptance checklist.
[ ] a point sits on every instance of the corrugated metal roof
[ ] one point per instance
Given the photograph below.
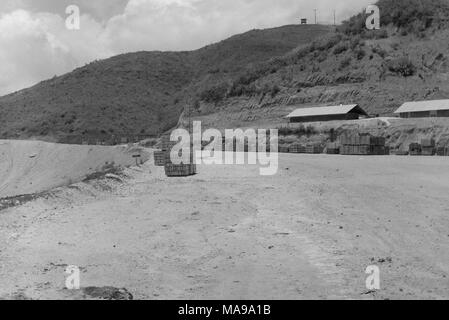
(324, 111)
(418, 106)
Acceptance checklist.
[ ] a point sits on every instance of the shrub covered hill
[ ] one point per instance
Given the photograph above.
(252, 79)
(408, 59)
(137, 93)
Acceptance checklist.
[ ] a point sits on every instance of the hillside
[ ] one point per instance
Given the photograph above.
(138, 93)
(406, 60)
(252, 79)
(125, 94)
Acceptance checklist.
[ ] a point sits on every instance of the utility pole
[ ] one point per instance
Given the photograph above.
(189, 117)
(335, 20)
(315, 10)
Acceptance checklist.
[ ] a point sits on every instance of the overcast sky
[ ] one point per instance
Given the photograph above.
(35, 43)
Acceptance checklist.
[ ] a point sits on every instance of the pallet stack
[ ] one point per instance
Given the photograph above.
(314, 149)
(159, 158)
(428, 147)
(180, 170)
(297, 148)
(362, 144)
(332, 148)
(284, 149)
(401, 153)
(167, 144)
(247, 147)
(415, 149)
(175, 170)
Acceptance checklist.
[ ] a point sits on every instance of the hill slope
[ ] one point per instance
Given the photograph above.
(406, 60)
(138, 93)
(252, 79)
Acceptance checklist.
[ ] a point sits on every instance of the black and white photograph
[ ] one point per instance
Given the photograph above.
(224, 150)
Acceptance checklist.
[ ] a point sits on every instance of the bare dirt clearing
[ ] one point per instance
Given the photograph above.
(308, 232)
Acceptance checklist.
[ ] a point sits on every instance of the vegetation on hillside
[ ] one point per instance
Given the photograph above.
(408, 16)
(348, 55)
(140, 93)
(147, 92)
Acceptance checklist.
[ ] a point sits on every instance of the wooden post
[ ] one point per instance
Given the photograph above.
(137, 156)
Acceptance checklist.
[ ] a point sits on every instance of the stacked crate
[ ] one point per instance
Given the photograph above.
(297, 148)
(159, 158)
(314, 149)
(362, 144)
(167, 144)
(440, 151)
(283, 149)
(176, 170)
(415, 149)
(332, 148)
(346, 147)
(428, 147)
(180, 170)
(401, 153)
(247, 147)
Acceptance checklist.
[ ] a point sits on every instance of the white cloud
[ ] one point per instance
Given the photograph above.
(27, 50)
(35, 45)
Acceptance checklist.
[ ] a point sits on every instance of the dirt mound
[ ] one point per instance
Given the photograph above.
(107, 293)
(29, 167)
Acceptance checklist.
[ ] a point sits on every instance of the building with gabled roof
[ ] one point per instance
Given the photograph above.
(424, 109)
(330, 113)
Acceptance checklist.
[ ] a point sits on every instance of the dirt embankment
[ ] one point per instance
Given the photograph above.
(28, 167)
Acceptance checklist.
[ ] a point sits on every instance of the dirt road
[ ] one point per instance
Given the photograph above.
(229, 233)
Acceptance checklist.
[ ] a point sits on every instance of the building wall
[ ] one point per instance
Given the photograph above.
(443, 113)
(422, 114)
(349, 116)
(425, 114)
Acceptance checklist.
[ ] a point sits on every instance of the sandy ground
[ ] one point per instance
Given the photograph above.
(28, 167)
(228, 233)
